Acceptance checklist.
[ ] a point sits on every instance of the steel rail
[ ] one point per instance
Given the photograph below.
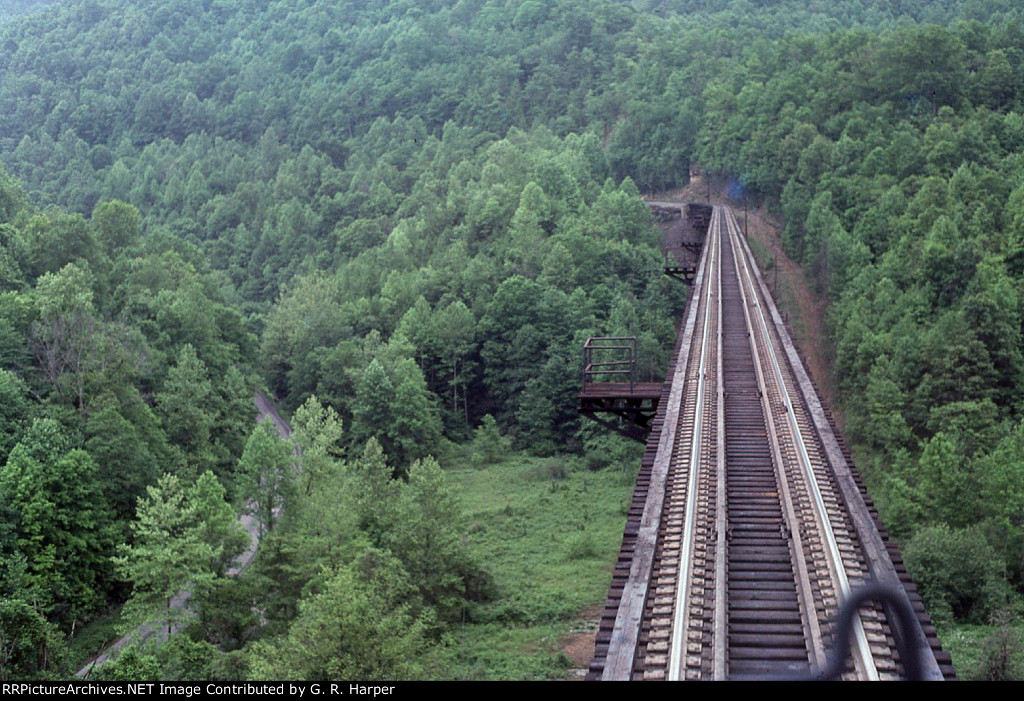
(812, 629)
(874, 550)
(721, 618)
(861, 650)
(680, 625)
(625, 634)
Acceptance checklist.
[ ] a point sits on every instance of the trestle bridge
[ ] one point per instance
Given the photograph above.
(749, 528)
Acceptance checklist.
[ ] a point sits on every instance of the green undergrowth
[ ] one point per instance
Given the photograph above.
(547, 531)
(986, 653)
(89, 639)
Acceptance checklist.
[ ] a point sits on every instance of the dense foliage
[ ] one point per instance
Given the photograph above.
(11, 9)
(299, 191)
(403, 218)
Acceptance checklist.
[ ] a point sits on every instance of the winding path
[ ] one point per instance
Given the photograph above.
(146, 632)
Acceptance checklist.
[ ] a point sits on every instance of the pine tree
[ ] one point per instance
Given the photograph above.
(183, 538)
(268, 474)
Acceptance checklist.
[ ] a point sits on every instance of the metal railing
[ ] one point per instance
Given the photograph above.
(609, 359)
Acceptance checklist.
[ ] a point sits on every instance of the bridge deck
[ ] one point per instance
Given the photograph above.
(633, 642)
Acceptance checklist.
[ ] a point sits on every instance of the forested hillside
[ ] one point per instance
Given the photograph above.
(402, 219)
(11, 9)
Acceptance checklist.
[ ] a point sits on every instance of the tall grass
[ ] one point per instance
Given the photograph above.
(547, 530)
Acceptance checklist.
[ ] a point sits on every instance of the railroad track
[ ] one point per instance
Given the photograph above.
(751, 533)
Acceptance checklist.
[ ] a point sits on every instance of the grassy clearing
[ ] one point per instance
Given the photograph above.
(547, 530)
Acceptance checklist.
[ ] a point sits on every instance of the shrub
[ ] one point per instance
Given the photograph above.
(957, 572)
(1002, 657)
(580, 546)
